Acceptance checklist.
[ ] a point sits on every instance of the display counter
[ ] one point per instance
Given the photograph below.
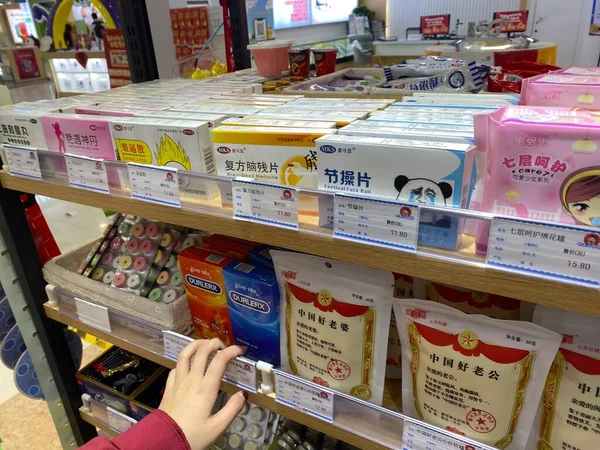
(71, 78)
(22, 65)
(390, 52)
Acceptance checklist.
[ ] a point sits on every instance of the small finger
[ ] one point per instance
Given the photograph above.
(184, 360)
(221, 420)
(217, 367)
(201, 358)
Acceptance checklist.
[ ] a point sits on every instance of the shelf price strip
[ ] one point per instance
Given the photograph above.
(87, 173)
(265, 203)
(93, 315)
(154, 184)
(119, 422)
(416, 437)
(241, 372)
(313, 399)
(556, 251)
(380, 222)
(23, 162)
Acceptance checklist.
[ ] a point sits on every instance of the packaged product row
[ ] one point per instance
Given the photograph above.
(459, 353)
(134, 386)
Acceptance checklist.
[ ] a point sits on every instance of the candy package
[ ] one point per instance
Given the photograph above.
(568, 414)
(470, 374)
(334, 322)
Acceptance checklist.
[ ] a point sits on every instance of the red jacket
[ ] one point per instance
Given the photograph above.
(156, 432)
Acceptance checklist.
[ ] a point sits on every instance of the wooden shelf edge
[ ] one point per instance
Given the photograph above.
(470, 276)
(87, 417)
(266, 401)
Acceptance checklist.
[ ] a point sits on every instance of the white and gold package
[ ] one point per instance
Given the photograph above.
(473, 375)
(246, 122)
(274, 155)
(184, 144)
(334, 322)
(569, 414)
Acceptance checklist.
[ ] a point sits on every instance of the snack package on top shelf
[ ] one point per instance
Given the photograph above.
(568, 412)
(566, 89)
(473, 302)
(184, 144)
(479, 377)
(542, 163)
(431, 173)
(253, 300)
(202, 273)
(343, 306)
(286, 156)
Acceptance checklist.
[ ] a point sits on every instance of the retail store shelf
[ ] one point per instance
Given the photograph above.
(89, 418)
(139, 344)
(440, 266)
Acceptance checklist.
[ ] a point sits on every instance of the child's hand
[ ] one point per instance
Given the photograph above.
(192, 389)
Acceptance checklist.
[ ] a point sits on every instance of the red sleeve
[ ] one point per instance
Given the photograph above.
(155, 432)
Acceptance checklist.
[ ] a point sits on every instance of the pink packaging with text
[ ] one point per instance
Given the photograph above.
(83, 135)
(542, 164)
(577, 87)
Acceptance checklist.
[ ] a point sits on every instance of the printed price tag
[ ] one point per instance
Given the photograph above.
(23, 162)
(119, 422)
(174, 343)
(87, 173)
(308, 397)
(241, 372)
(381, 222)
(415, 437)
(558, 251)
(154, 184)
(226, 194)
(266, 203)
(93, 315)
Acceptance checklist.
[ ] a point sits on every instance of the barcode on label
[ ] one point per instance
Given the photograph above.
(214, 258)
(243, 267)
(209, 160)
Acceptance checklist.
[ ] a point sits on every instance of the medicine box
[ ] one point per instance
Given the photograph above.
(202, 272)
(225, 110)
(339, 118)
(184, 144)
(431, 173)
(253, 300)
(22, 127)
(455, 133)
(286, 156)
(80, 135)
(213, 120)
(246, 122)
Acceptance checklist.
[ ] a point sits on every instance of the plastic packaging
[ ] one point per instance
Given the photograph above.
(343, 307)
(271, 57)
(299, 61)
(325, 60)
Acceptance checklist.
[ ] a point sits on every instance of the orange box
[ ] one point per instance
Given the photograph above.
(202, 272)
(228, 246)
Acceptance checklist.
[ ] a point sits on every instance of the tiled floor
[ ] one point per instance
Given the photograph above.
(26, 424)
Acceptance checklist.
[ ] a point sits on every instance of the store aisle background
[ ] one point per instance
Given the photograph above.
(26, 424)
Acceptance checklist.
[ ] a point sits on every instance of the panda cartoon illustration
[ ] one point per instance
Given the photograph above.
(422, 190)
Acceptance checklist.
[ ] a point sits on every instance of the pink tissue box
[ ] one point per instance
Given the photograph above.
(577, 87)
(80, 135)
(542, 163)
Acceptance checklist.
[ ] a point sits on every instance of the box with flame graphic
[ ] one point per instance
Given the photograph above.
(202, 272)
(184, 144)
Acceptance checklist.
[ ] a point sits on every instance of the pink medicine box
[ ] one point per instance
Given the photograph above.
(542, 163)
(80, 135)
(577, 87)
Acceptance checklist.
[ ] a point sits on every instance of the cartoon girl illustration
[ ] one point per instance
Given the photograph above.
(60, 136)
(580, 196)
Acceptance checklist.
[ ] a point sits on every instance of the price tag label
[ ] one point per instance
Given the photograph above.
(242, 372)
(226, 193)
(305, 396)
(154, 184)
(23, 162)
(93, 315)
(380, 222)
(87, 173)
(416, 437)
(266, 203)
(174, 343)
(119, 422)
(558, 251)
